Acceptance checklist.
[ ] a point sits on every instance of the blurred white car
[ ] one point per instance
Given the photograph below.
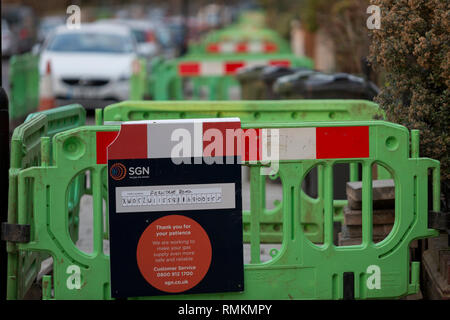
(93, 63)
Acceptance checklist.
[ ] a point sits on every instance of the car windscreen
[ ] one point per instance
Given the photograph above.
(91, 42)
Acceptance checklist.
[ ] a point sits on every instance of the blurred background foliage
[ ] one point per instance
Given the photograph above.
(343, 21)
(413, 49)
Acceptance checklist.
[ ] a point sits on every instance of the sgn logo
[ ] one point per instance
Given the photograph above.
(139, 171)
(118, 171)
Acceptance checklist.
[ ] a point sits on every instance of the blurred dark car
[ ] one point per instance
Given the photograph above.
(8, 43)
(22, 24)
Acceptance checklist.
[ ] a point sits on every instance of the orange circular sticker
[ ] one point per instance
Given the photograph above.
(174, 253)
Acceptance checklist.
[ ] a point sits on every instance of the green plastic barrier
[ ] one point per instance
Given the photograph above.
(62, 118)
(138, 81)
(255, 18)
(58, 120)
(250, 28)
(235, 40)
(239, 33)
(214, 72)
(261, 112)
(154, 68)
(26, 151)
(247, 111)
(300, 270)
(24, 85)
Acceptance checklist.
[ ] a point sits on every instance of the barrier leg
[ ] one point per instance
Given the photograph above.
(353, 172)
(213, 88)
(256, 207)
(196, 88)
(328, 205)
(223, 89)
(177, 93)
(161, 87)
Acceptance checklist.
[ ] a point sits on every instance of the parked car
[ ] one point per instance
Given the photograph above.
(91, 63)
(144, 32)
(22, 24)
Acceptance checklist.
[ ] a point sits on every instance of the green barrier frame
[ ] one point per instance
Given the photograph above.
(261, 112)
(138, 82)
(247, 111)
(26, 152)
(300, 270)
(255, 18)
(24, 85)
(240, 34)
(155, 65)
(62, 118)
(169, 84)
(58, 120)
(251, 26)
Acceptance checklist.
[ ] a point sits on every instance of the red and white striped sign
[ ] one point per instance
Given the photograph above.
(315, 143)
(242, 47)
(222, 68)
(159, 138)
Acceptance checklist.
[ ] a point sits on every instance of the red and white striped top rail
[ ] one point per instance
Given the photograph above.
(154, 139)
(222, 68)
(242, 47)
